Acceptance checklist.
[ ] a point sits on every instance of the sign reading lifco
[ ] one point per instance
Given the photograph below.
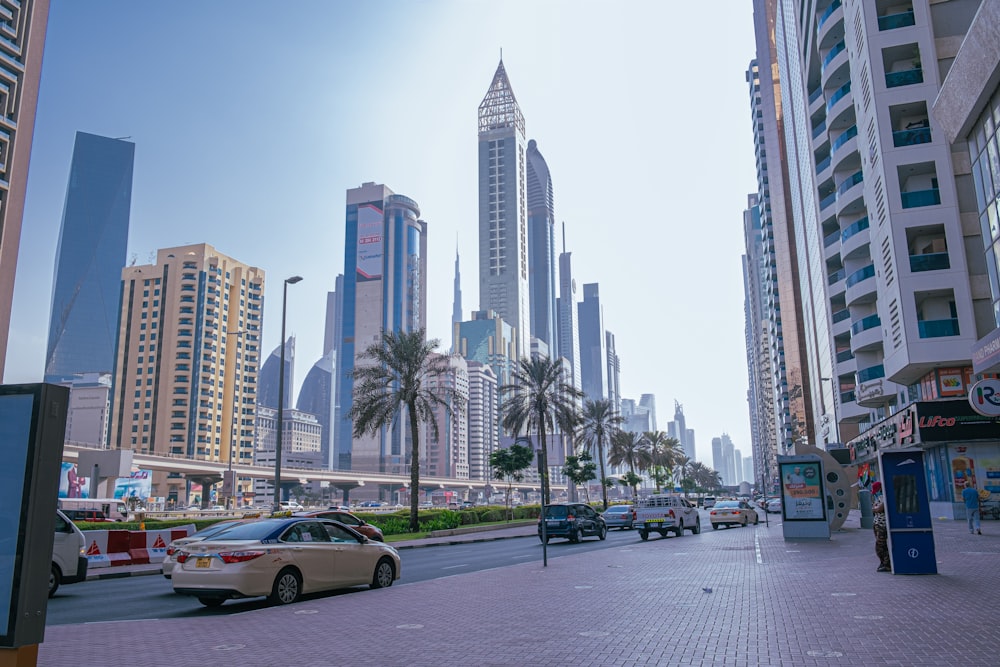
(984, 397)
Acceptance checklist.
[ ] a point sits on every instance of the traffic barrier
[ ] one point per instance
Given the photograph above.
(158, 540)
(137, 551)
(118, 547)
(96, 549)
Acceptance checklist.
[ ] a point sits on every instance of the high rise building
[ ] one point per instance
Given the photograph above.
(25, 23)
(316, 398)
(456, 302)
(503, 219)
(569, 333)
(883, 210)
(301, 444)
(89, 407)
(678, 429)
(593, 354)
(541, 251)
(482, 418)
(614, 371)
(182, 383)
(647, 403)
(93, 239)
(385, 287)
(270, 377)
(446, 451)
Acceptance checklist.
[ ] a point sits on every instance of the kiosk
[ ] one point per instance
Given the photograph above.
(803, 498)
(907, 512)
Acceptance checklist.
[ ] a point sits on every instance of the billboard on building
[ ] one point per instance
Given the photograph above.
(139, 484)
(371, 229)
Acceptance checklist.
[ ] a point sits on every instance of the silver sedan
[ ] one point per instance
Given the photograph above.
(619, 516)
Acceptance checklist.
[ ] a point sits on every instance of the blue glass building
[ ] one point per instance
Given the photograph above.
(93, 241)
(267, 380)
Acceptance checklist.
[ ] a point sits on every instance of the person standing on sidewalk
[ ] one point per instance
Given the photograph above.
(971, 498)
(881, 529)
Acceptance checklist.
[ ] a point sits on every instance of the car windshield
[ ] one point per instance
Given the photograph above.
(254, 530)
(620, 509)
(216, 528)
(727, 504)
(556, 511)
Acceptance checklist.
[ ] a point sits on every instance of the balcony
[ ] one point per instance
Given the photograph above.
(905, 78)
(894, 21)
(860, 275)
(819, 129)
(871, 373)
(834, 6)
(847, 396)
(843, 356)
(911, 137)
(830, 239)
(919, 198)
(837, 49)
(850, 182)
(859, 226)
(814, 95)
(839, 94)
(865, 323)
(841, 315)
(844, 137)
(822, 165)
(932, 261)
(938, 328)
(835, 277)
(828, 200)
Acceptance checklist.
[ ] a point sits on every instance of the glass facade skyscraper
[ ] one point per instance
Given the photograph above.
(541, 251)
(93, 241)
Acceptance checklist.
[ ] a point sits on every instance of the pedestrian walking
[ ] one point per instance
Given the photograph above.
(880, 528)
(971, 498)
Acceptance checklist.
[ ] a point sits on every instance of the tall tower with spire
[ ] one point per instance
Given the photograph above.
(456, 306)
(503, 216)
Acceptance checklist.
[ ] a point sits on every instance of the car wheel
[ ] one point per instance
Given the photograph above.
(212, 603)
(603, 533)
(576, 536)
(287, 587)
(756, 520)
(715, 526)
(679, 530)
(55, 576)
(385, 573)
(746, 520)
(644, 535)
(696, 529)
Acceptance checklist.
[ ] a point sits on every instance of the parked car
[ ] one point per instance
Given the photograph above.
(167, 566)
(574, 521)
(368, 530)
(92, 516)
(733, 513)
(69, 559)
(773, 506)
(290, 506)
(618, 516)
(708, 502)
(303, 555)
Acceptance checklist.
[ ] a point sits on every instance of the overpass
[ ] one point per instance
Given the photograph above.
(189, 467)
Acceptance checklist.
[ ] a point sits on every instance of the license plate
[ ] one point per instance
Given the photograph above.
(654, 520)
(203, 562)
(552, 522)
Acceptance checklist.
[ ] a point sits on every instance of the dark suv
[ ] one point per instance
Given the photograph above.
(573, 521)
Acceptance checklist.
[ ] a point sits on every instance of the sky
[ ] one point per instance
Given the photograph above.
(252, 119)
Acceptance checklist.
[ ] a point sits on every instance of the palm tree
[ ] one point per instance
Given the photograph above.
(629, 448)
(664, 452)
(682, 463)
(399, 384)
(539, 399)
(598, 421)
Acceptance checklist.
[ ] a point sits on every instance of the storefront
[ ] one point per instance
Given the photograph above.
(959, 444)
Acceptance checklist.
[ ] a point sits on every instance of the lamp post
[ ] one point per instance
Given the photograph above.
(233, 441)
(281, 394)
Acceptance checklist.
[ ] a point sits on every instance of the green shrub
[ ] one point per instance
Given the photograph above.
(493, 515)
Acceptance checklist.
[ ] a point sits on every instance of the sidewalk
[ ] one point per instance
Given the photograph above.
(740, 596)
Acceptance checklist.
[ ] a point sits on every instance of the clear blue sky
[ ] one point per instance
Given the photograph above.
(251, 119)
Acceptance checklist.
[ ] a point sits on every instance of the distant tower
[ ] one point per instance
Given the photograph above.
(569, 333)
(503, 224)
(541, 251)
(267, 382)
(456, 306)
(93, 241)
(593, 355)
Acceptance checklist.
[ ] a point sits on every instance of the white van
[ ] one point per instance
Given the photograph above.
(69, 554)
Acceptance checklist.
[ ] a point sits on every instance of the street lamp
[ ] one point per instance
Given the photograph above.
(281, 394)
(237, 409)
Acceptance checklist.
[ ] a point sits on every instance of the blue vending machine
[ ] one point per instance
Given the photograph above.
(907, 512)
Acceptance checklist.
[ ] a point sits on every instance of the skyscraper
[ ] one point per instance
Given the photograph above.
(385, 286)
(456, 302)
(503, 223)
(593, 354)
(678, 429)
(20, 67)
(569, 333)
(541, 251)
(268, 379)
(316, 398)
(93, 240)
(482, 418)
(167, 398)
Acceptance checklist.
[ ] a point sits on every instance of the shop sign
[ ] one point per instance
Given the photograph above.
(941, 421)
(984, 397)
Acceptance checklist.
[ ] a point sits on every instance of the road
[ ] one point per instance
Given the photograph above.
(151, 597)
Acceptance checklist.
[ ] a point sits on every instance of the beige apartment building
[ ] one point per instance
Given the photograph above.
(187, 359)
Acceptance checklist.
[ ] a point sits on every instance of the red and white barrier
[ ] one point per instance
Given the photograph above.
(106, 548)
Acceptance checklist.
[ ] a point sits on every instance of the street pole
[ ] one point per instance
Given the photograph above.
(237, 410)
(281, 394)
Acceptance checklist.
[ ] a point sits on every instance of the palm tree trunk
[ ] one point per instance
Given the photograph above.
(543, 464)
(414, 470)
(604, 483)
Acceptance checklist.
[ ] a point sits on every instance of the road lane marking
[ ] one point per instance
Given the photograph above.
(524, 556)
(756, 548)
(452, 567)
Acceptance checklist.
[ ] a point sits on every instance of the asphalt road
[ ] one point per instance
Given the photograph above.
(152, 597)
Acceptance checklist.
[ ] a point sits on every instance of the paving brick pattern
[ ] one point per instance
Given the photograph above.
(740, 596)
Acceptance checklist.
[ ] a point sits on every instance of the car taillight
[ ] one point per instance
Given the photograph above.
(633, 515)
(671, 514)
(182, 557)
(239, 556)
(171, 551)
(712, 513)
(570, 517)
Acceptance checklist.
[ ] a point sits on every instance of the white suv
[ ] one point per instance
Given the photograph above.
(69, 555)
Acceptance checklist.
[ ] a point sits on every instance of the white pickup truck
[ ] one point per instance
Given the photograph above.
(664, 513)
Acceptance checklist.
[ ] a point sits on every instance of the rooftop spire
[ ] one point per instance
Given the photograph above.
(499, 107)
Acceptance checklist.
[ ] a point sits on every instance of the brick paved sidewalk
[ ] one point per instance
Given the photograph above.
(740, 596)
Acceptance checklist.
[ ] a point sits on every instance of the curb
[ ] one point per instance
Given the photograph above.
(455, 542)
(122, 575)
